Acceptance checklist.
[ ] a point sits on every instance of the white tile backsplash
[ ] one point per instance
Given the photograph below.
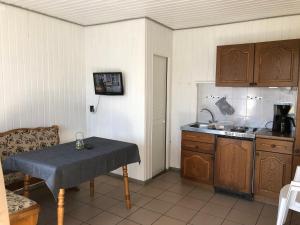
(253, 106)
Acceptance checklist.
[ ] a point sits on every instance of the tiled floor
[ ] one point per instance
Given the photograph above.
(167, 200)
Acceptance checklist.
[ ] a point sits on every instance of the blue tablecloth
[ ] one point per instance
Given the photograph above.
(62, 166)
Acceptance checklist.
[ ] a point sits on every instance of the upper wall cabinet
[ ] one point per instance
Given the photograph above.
(277, 63)
(235, 65)
(264, 64)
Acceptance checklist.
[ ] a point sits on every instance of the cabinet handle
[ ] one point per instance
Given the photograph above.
(273, 146)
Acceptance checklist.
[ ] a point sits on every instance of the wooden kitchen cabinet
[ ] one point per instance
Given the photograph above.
(197, 166)
(277, 63)
(272, 172)
(234, 165)
(235, 65)
(296, 162)
(266, 64)
(197, 156)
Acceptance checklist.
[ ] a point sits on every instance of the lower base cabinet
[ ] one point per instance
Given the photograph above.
(296, 162)
(234, 165)
(272, 172)
(197, 166)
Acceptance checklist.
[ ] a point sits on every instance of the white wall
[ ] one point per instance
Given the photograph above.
(158, 42)
(194, 60)
(41, 72)
(118, 47)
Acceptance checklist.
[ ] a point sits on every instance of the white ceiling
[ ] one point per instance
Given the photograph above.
(176, 14)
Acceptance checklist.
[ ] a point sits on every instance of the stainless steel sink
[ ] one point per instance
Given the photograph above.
(199, 125)
(203, 126)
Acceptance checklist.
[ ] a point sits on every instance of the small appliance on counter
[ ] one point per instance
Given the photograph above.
(282, 122)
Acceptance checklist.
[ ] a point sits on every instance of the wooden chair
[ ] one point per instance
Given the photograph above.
(289, 198)
(22, 211)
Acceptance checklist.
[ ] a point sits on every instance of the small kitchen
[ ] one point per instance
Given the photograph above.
(243, 141)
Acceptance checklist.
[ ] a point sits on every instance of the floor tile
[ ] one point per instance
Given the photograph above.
(68, 220)
(181, 189)
(201, 194)
(118, 193)
(248, 206)
(170, 197)
(266, 220)
(150, 191)
(135, 187)
(205, 219)
(144, 216)
(72, 204)
(104, 188)
(269, 211)
(140, 200)
(84, 213)
(114, 181)
(160, 184)
(105, 218)
(181, 213)
(127, 222)
(228, 222)
(164, 220)
(191, 203)
(242, 217)
(121, 210)
(85, 185)
(216, 210)
(158, 206)
(101, 178)
(82, 195)
(224, 200)
(104, 202)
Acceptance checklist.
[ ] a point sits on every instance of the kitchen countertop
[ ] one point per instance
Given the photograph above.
(267, 133)
(260, 133)
(220, 132)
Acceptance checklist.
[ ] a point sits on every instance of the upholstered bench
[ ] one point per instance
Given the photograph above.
(24, 140)
(22, 211)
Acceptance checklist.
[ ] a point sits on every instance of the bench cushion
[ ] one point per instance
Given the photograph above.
(24, 140)
(17, 203)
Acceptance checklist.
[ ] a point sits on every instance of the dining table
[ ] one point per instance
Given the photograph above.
(63, 166)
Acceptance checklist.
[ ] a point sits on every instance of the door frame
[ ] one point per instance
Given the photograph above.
(149, 115)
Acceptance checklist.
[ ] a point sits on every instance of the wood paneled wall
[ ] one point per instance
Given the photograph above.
(41, 72)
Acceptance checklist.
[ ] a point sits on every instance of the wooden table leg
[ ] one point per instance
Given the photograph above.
(92, 187)
(26, 185)
(60, 207)
(126, 187)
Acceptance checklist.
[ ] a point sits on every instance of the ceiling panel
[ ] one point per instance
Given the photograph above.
(176, 14)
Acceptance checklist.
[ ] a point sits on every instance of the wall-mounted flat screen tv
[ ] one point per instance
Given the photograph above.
(109, 83)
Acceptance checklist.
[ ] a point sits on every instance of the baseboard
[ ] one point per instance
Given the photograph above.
(174, 169)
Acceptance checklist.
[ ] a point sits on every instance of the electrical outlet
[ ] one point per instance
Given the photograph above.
(92, 108)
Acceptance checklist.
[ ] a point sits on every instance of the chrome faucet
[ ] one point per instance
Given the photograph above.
(211, 113)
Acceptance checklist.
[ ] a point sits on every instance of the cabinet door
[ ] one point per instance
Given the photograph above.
(272, 172)
(234, 165)
(277, 63)
(197, 166)
(235, 65)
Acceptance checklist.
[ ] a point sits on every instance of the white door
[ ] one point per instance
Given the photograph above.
(160, 65)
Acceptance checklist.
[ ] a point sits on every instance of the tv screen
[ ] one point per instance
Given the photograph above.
(109, 83)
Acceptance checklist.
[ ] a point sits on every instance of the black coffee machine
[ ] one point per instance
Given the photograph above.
(282, 122)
